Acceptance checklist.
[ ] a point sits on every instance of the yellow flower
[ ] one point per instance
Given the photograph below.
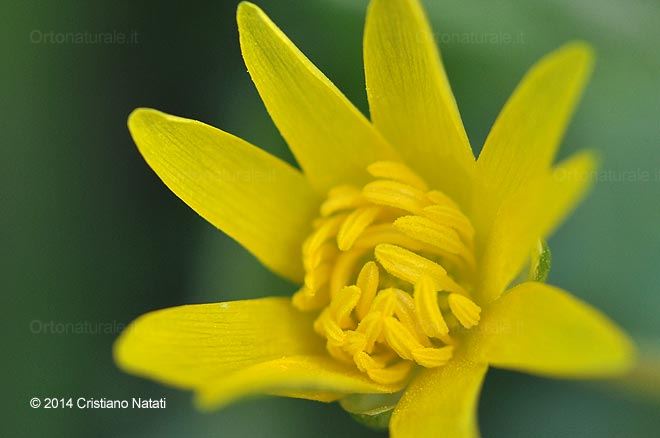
(404, 245)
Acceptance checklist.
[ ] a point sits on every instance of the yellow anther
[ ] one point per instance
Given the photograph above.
(440, 198)
(409, 266)
(338, 353)
(397, 172)
(367, 281)
(354, 225)
(354, 342)
(433, 357)
(344, 268)
(372, 327)
(326, 326)
(383, 322)
(305, 301)
(317, 278)
(395, 194)
(385, 302)
(392, 374)
(327, 230)
(385, 356)
(400, 339)
(428, 312)
(342, 304)
(386, 233)
(433, 233)
(365, 362)
(444, 214)
(405, 312)
(405, 264)
(324, 253)
(465, 310)
(342, 198)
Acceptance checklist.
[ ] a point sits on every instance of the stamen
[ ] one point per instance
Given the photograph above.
(409, 266)
(428, 312)
(395, 194)
(316, 279)
(441, 199)
(392, 374)
(465, 310)
(365, 362)
(354, 225)
(328, 229)
(372, 327)
(386, 233)
(354, 343)
(342, 198)
(433, 357)
(385, 302)
(434, 233)
(306, 301)
(367, 281)
(397, 172)
(404, 310)
(453, 217)
(400, 339)
(325, 253)
(386, 321)
(327, 326)
(338, 353)
(342, 306)
(344, 268)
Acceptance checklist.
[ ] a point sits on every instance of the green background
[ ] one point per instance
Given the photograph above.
(90, 235)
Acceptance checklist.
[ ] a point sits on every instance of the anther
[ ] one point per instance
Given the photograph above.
(464, 309)
(395, 194)
(433, 357)
(397, 172)
(428, 312)
(384, 321)
(354, 225)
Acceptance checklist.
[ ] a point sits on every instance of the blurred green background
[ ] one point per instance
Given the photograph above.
(90, 235)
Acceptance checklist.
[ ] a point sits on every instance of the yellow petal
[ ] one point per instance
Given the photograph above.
(410, 99)
(257, 199)
(325, 397)
(333, 142)
(188, 346)
(543, 330)
(297, 375)
(440, 402)
(526, 134)
(527, 216)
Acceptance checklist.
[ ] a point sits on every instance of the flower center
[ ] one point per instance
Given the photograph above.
(391, 265)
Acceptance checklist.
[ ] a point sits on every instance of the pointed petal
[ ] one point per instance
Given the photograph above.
(441, 402)
(188, 346)
(257, 199)
(529, 215)
(543, 330)
(333, 142)
(410, 99)
(315, 377)
(526, 134)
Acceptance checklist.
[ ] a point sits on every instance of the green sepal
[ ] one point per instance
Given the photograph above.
(540, 262)
(371, 410)
(376, 422)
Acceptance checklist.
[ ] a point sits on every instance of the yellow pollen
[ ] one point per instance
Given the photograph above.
(385, 264)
